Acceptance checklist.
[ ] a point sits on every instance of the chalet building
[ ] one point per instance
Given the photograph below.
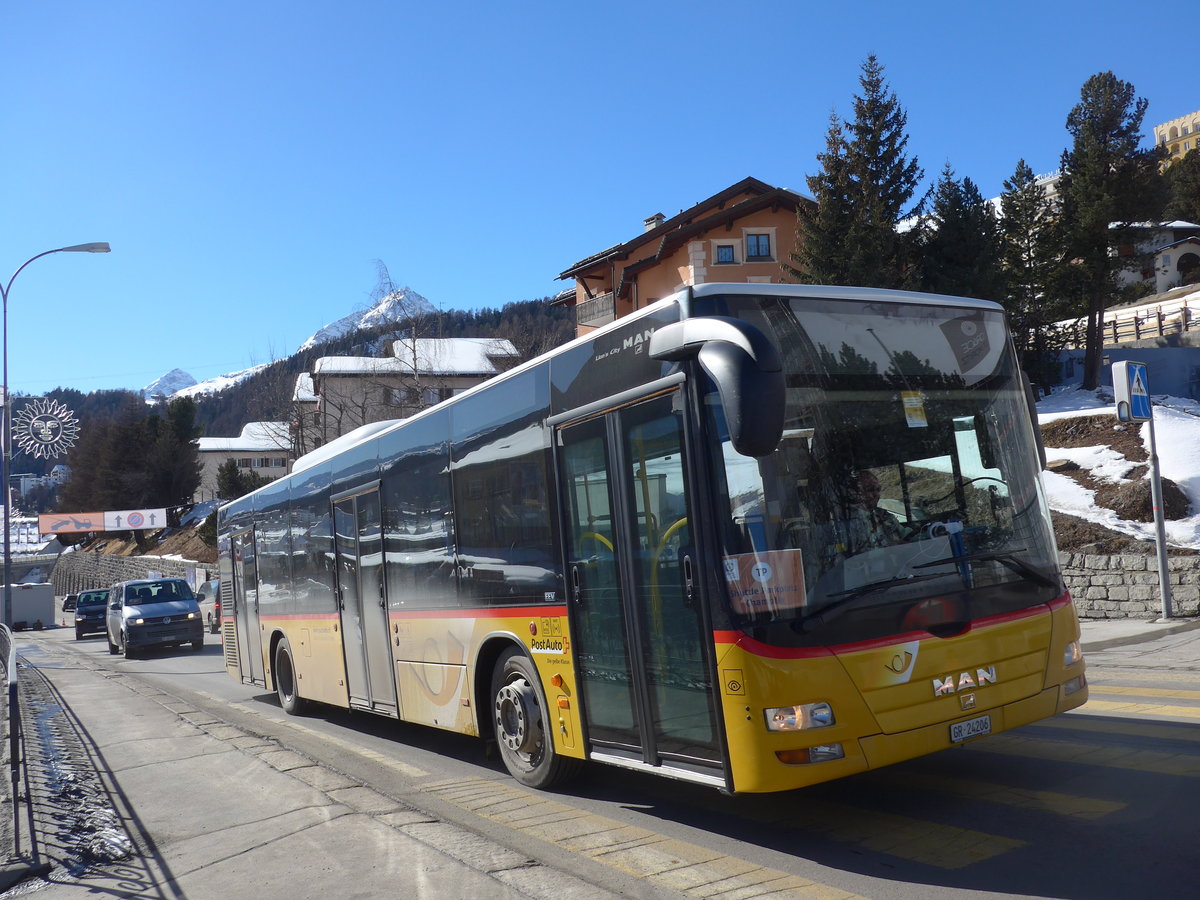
(264, 448)
(741, 234)
(344, 392)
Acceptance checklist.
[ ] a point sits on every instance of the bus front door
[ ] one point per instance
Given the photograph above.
(636, 613)
(245, 608)
(362, 602)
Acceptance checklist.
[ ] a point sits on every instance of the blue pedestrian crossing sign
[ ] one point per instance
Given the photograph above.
(1131, 385)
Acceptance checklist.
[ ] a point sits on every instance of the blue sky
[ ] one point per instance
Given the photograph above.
(250, 161)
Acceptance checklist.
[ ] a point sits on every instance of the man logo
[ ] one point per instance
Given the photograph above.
(949, 685)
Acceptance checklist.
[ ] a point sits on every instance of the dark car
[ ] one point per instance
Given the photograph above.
(69, 602)
(90, 610)
(153, 612)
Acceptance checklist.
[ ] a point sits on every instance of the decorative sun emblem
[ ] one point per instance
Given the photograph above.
(45, 428)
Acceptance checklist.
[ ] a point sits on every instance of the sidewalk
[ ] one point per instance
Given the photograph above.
(1104, 634)
(137, 795)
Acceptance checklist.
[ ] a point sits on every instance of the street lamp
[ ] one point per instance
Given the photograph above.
(6, 429)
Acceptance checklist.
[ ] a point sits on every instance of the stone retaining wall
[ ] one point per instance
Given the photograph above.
(1126, 586)
(82, 571)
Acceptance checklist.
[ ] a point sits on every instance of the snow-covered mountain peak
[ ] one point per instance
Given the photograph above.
(396, 306)
(165, 386)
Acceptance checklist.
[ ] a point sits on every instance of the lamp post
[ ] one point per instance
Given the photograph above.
(6, 427)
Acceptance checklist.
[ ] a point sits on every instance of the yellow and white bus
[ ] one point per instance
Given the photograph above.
(751, 536)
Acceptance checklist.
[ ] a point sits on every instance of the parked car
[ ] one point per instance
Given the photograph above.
(90, 613)
(69, 602)
(153, 612)
(209, 598)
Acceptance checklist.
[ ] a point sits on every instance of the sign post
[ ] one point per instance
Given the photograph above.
(1131, 386)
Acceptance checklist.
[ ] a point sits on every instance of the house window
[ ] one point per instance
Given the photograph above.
(725, 255)
(278, 463)
(758, 246)
(244, 463)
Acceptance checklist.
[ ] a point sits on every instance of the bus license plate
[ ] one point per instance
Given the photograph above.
(972, 728)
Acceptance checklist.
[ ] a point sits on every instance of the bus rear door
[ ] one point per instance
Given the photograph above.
(245, 607)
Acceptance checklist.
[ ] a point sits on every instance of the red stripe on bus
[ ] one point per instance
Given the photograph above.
(771, 651)
(491, 612)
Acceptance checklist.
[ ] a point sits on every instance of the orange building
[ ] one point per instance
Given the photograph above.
(742, 234)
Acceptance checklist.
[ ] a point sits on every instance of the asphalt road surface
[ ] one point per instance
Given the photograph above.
(1098, 803)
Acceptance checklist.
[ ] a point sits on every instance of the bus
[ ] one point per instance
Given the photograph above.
(751, 536)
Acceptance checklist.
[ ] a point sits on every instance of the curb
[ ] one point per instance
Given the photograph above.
(1151, 634)
(15, 872)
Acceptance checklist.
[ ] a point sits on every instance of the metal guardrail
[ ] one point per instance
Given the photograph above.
(9, 648)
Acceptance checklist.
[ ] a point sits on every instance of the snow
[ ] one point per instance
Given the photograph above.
(219, 383)
(1177, 439)
(397, 306)
(254, 436)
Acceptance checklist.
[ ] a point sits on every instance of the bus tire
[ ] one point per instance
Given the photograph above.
(519, 718)
(285, 680)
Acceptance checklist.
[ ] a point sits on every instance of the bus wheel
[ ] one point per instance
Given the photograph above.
(519, 716)
(285, 680)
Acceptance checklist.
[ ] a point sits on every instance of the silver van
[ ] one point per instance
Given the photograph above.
(153, 612)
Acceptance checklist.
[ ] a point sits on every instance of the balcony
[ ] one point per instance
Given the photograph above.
(595, 312)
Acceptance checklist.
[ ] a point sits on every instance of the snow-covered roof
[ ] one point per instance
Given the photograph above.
(255, 436)
(452, 356)
(304, 391)
(424, 356)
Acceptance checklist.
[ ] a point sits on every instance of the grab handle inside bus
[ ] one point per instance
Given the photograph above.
(746, 369)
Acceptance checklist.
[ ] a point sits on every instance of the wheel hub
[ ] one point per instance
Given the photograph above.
(516, 715)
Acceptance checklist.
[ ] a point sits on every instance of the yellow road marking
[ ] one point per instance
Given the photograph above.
(1014, 744)
(1142, 709)
(664, 863)
(1079, 720)
(1121, 689)
(1022, 798)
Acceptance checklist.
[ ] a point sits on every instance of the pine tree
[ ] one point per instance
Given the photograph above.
(1183, 181)
(1108, 183)
(1030, 245)
(960, 242)
(863, 191)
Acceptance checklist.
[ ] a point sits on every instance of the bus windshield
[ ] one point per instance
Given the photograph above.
(904, 493)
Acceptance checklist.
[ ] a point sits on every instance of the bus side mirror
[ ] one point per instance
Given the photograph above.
(745, 367)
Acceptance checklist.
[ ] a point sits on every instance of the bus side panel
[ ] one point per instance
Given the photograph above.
(316, 642)
(437, 653)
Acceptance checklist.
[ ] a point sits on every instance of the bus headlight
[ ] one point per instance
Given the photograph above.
(1073, 654)
(799, 718)
(1074, 686)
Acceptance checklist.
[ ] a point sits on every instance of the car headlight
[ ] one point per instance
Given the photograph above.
(193, 615)
(139, 621)
(800, 717)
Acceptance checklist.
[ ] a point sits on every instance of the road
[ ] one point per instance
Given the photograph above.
(1099, 803)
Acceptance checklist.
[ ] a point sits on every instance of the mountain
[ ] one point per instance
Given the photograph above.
(396, 306)
(173, 381)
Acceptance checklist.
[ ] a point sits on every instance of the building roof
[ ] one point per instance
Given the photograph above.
(255, 436)
(705, 215)
(424, 356)
(304, 392)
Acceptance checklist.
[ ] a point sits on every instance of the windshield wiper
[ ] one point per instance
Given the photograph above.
(1010, 560)
(846, 599)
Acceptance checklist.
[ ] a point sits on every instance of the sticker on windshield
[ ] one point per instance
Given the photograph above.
(914, 409)
(771, 581)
